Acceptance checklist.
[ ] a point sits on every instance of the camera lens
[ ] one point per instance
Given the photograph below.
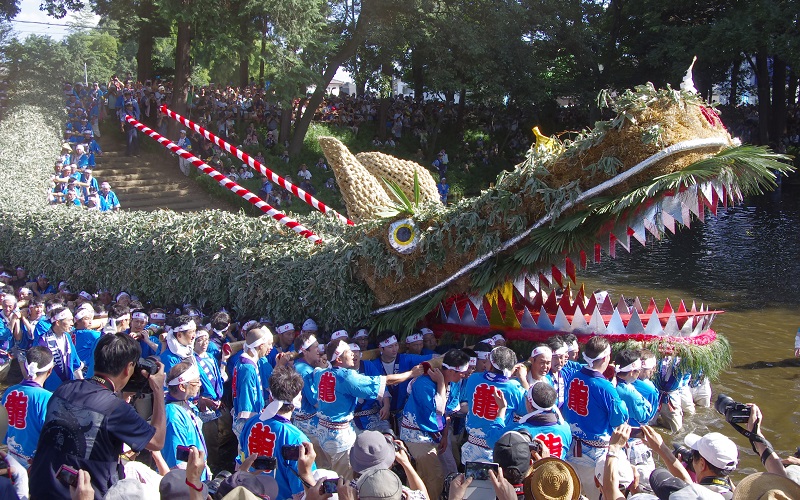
(723, 403)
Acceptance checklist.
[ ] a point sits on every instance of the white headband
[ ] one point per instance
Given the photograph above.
(339, 334)
(361, 333)
(416, 337)
(538, 410)
(83, 313)
(123, 317)
(490, 341)
(139, 315)
(636, 365)
(426, 331)
(247, 326)
(542, 349)
(285, 328)
(606, 352)
(201, 333)
(120, 294)
(33, 368)
(354, 347)
(308, 343)
(158, 315)
(275, 406)
(573, 347)
(498, 338)
(191, 374)
(482, 354)
(459, 369)
(86, 295)
(340, 349)
(185, 327)
(255, 343)
(390, 341)
(648, 363)
(561, 351)
(506, 372)
(473, 361)
(62, 315)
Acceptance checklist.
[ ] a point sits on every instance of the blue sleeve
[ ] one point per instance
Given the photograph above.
(617, 411)
(362, 386)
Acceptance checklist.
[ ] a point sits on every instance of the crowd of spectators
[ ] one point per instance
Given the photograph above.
(72, 181)
(116, 397)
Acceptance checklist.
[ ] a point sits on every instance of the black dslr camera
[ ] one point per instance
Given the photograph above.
(735, 413)
(138, 382)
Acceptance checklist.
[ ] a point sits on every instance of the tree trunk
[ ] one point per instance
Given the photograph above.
(778, 113)
(418, 74)
(368, 9)
(286, 127)
(263, 58)
(387, 71)
(145, 40)
(183, 70)
(733, 98)
(762, 82)
(245, 45)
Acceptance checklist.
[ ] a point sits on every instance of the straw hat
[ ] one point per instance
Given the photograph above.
(552, 479)
(766, 486)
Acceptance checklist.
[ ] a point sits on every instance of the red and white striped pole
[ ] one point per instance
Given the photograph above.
(227, 183)
(277, 179)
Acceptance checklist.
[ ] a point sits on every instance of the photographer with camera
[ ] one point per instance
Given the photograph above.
(87, 422)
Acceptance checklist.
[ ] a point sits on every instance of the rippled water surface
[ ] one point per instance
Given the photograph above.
(745, 261)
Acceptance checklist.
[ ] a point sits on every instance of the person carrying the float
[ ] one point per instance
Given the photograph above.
(561, 367)
(477, 399)
(593, 409)
(248, 393)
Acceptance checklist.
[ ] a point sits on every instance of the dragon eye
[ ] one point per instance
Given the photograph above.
(403, 236)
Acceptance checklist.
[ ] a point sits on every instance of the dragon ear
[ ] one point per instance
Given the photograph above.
(362, 192)
(388, 167)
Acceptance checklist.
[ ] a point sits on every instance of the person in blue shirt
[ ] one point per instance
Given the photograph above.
(561, 367)
(10, 327)
(286, 334)
(670, 380)
(108, 199)
(429, 343)
(308, 360)
(481, 407)
(543, 420)
(248, 394)
(43, 286)
(180, 342)
(68, 365)
(593, 409)
(414, 343)
(184, 427)
(644, 385)
(444, 190)
(628, 367)
(339, 388)
(150, 344)
(370, 414)
(26, 404)
(424, 417)
(84, 337)
(270, 432)
(390, 362)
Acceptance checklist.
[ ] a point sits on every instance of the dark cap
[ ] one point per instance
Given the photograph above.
(512, 451)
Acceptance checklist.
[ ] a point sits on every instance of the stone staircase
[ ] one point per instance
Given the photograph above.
(150, 181)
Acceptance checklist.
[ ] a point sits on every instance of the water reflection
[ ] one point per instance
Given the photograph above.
(747, 262)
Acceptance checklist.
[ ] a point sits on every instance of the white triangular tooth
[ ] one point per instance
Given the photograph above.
(476, 300)
(668, 221)
(467, 318)
(544, 322)
(634, 324)
(527, 320)
(699, 327)
(672, 206)
(442, 313)
(686, 329)
(637, 305)
(519, 284)
(711, 320)
(615, 325)
(694, 307)
(654, 325)
(561, 323)
(671, 328)
(452, 316)
(639, 232)
(596, 323)
(707, 190)
(579, 324)
(610, 246)
(719, 188)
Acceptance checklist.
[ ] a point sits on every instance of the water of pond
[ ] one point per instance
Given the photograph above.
(745, 261)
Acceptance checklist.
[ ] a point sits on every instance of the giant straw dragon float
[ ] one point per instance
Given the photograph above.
(664, 159)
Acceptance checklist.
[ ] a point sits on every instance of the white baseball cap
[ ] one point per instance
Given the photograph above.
(717, 449)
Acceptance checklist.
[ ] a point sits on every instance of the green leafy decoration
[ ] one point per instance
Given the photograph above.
(402, 205)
